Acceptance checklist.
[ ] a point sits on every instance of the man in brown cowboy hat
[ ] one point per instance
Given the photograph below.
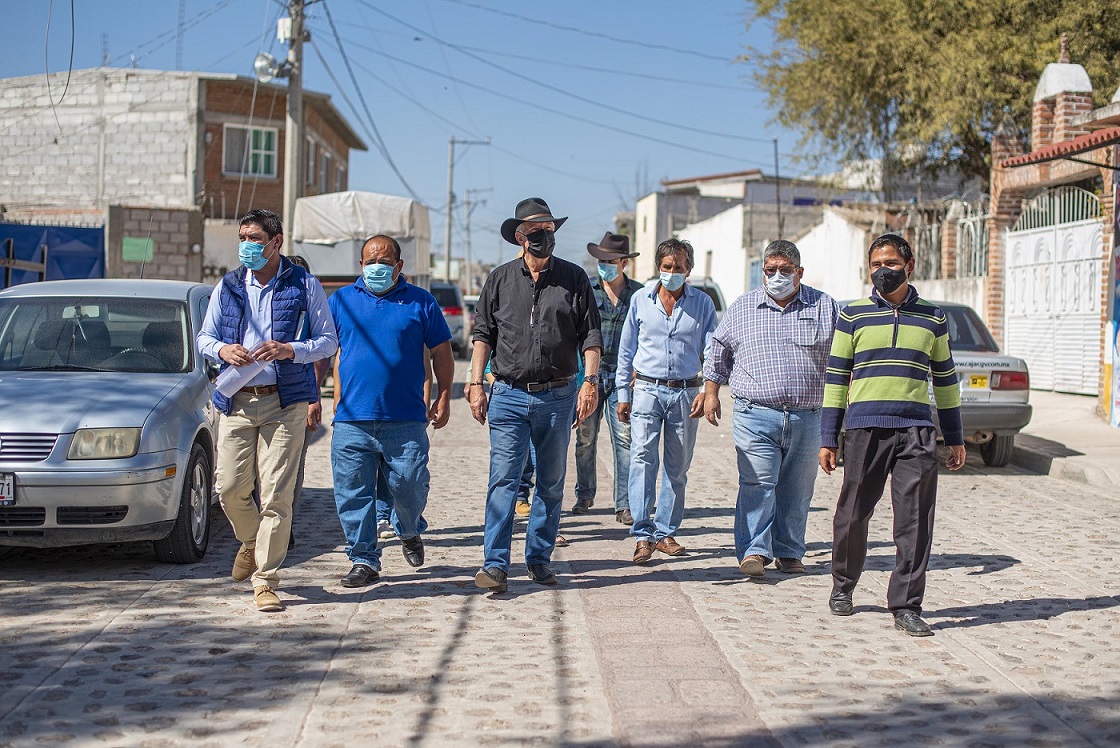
(537, 315)
(612, 290)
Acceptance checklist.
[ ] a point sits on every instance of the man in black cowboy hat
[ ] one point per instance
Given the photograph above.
(537, 315)
(613, 290)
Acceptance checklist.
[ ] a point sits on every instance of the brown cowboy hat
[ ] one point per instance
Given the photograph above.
(529, 210)
(612, 247)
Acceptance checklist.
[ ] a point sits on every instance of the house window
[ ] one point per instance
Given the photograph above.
(340, 182)
(249, 151)
(324, 172)
(309, 168)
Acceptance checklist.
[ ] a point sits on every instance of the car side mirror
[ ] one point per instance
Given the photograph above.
(212, 370)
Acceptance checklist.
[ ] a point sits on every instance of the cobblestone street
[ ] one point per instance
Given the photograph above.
(104, 645)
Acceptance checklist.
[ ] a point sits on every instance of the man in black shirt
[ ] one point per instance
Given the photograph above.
(536, 315)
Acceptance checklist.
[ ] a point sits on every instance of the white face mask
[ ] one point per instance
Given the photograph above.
(780, 286)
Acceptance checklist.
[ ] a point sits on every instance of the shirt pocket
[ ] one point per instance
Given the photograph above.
(806, 332)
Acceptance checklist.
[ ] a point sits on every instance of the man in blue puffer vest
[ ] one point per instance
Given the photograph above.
(255, 318)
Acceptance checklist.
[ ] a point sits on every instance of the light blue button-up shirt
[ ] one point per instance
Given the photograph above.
(660, 345)
(322, 343)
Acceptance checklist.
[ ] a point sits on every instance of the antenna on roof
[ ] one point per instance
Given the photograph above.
(147, 242)
(179, 29)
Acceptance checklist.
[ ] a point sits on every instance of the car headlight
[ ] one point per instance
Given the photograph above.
(104, 444)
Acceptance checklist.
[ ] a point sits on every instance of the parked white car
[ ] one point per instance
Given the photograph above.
(106, 423)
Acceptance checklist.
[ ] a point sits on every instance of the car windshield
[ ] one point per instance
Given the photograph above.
(77, 333)
(445, 296)
(967, 332)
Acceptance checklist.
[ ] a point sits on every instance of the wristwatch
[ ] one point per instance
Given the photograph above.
(592, 379)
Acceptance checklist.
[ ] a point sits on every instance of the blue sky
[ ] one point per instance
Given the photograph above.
(639, 90)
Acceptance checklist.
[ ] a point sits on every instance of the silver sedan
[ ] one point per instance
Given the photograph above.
(106, 424)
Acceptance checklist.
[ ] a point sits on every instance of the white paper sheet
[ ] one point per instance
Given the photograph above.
(234, 378)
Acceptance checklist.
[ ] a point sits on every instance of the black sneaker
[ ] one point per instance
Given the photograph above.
(911, 623)
(840, 603)
(583, 506)
(541, 574)
(491, 578)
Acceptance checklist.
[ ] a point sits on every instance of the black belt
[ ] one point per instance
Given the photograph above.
(260, 389)
(537, 386)
(676, 384)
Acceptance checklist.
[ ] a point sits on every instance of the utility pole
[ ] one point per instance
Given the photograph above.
(469, 206)
(451, 197)
(778, 188)
(293, 124)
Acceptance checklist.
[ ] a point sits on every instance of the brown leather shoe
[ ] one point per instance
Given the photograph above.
(790, 565)
(671, 547)
(753, 566)
(244, 564)
(267, 600)
(643, 552)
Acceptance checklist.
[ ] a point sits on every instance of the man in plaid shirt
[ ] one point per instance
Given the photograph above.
(772, 347)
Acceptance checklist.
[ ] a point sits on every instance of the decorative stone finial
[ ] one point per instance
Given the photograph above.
(1063, 56)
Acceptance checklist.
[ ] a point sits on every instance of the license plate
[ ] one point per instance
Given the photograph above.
(7, 489)
(978, 381)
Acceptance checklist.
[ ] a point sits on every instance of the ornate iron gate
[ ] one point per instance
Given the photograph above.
(1052, 302)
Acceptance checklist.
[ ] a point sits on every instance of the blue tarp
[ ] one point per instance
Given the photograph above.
(71, 252)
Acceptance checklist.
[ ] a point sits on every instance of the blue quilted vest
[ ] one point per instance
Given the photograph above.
(296, 382)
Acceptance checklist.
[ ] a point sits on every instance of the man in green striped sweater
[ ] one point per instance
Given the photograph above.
(885, 351)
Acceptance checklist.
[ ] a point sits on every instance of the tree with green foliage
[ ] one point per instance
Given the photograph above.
(922, 83)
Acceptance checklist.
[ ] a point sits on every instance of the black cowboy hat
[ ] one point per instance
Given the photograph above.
(532, 210)
(612, 247)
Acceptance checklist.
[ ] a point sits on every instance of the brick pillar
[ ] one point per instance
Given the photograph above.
(949, 242)
(1066, 107)
(1042, 124)
(1108, 239)
(1005, 208)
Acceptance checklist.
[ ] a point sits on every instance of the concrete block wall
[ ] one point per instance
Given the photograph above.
(174, 234)
(122, 136)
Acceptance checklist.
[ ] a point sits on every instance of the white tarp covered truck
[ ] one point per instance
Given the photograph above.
(329, 231)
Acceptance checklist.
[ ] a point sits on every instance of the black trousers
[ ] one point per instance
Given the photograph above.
(909, 456)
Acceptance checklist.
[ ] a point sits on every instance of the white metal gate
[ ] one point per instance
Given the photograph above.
(1053, 312)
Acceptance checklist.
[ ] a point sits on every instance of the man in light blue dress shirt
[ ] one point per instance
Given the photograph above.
(254, 319)
(661, 353)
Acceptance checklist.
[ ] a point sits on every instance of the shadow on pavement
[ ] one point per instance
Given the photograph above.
(1032, 609)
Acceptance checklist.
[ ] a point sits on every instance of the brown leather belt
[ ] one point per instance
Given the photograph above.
(676, 384)
(261, 389)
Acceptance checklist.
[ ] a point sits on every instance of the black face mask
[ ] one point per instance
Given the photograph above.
(887, 280)
(541, 243)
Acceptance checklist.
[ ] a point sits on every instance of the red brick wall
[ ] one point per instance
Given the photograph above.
(1042, 124)
(230, 196)
(1066, 107)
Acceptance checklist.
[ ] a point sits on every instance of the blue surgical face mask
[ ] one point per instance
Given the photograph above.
(672, 281)
(251, 255)
(378, 277)
(779, 286)
(607, 271)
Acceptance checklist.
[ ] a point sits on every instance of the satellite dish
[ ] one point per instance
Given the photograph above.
(264, 66)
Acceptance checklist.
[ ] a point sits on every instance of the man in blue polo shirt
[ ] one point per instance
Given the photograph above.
(384, 324)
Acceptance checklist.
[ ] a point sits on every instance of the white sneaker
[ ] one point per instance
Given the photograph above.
(385, 530)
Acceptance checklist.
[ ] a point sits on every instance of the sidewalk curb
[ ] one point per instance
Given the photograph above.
(1060, 467)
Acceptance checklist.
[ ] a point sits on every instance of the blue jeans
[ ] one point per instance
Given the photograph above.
(525, 490)
(655, 410)
(517, 420)
(385, 511)
(587, 435)
(777, 455)
(359, 451)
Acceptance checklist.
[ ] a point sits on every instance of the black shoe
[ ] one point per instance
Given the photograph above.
(583, 506)
(291, 540)
(624, 516)
(413, 549)
(492, 578)
(840, 603)
(360, 576)
(911, 623)
(541, 574)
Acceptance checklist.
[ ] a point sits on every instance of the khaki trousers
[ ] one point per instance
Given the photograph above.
(259, 440)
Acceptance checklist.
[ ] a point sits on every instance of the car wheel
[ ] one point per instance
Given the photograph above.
(190, 536)
(997, 452)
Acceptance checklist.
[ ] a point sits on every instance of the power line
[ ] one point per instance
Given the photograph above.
(561, 91)
(558, 112)
(361, 97)
(595, 34)
(46, 61)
